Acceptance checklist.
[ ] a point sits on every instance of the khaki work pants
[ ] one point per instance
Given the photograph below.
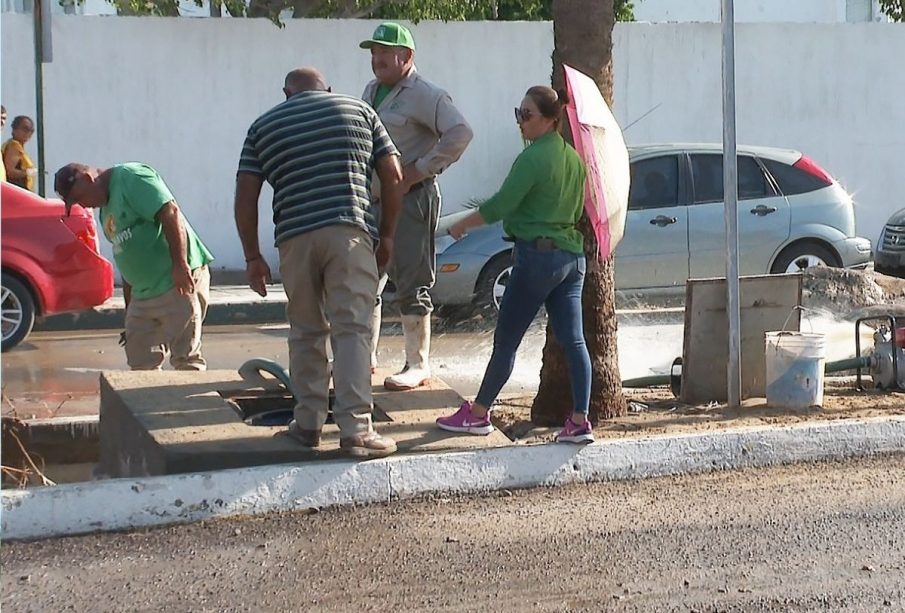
(330, 277)
(170, 323)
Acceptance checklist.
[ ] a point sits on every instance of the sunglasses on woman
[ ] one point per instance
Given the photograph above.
(523, 115)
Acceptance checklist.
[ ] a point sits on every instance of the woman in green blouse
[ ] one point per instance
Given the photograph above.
(540, 204)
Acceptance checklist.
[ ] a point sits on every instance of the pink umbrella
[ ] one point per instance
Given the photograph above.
(598, 140)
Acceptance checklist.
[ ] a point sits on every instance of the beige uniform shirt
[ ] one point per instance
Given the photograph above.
(425, 126)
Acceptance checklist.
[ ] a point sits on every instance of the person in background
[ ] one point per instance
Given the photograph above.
(431, 134)
(540, 203)
(20, 170)
(319, 151)
(163, 263)
(2, 125)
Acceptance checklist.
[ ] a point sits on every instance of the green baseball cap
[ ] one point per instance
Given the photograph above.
(392, 35)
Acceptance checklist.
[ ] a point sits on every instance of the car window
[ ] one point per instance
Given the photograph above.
(707, 174)
(655, 183)
(792, 180)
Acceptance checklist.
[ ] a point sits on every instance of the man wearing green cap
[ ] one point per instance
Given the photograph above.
(431, 134)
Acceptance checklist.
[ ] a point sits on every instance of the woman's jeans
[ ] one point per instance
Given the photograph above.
(553, 278)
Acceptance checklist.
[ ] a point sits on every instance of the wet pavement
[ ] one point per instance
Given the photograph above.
(56, 373)
(830, 539)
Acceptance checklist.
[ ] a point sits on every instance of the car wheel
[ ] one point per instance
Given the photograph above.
(800, 256)
(18, 311)
(492, 281)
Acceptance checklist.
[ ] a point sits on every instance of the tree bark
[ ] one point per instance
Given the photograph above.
(583, 38)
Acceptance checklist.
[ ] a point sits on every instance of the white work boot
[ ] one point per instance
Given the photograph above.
(417, 371)
(375, 336)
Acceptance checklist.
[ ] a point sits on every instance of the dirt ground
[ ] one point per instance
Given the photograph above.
(850, 294)
(655, 411)
(844, 294)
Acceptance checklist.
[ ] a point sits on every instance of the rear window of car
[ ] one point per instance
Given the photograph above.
(791, 180)
(655, 183)
(707, 174)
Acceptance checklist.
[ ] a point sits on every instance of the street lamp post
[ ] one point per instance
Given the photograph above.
(730, 199)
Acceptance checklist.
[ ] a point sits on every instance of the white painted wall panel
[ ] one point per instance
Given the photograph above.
(180, 93)
(801, 11)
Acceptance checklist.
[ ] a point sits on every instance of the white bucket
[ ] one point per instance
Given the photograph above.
(795, 366)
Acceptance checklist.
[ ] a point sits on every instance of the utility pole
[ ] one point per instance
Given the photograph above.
(43, 53)
(730, 200)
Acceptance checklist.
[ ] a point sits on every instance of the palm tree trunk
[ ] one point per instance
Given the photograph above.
(583, 38)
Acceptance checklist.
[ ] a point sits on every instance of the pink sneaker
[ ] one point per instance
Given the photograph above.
(574, 433)
(463, 421)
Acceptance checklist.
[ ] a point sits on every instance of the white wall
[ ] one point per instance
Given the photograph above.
(180, 93)
(802, 11)
(748, 11)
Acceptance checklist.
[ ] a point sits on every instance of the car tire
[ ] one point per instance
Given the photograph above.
(799, 256)
(18, 311)
(492, 282)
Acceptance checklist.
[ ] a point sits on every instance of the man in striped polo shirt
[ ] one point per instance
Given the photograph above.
(319, 150)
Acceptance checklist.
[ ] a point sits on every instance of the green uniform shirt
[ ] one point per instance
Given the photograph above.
(136, 193)
(543, 196)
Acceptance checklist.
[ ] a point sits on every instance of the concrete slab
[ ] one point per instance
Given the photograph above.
(158, 423)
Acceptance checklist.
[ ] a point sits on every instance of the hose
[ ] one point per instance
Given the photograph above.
(251, 371)
(837, 366)
(650, 381)
(848, 364)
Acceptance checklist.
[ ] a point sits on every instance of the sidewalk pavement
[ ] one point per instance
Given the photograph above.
(229, 304)
(238, 304)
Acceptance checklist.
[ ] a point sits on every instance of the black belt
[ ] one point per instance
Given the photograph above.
(420, 184)
(542, 243)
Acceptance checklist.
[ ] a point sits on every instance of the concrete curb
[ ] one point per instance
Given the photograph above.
(218, 314)
(234, 310)
(123, 504)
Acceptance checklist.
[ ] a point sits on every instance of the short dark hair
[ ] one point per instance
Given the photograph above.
(65, 177)
(17, 122)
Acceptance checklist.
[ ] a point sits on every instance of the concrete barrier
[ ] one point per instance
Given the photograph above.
(123, 504)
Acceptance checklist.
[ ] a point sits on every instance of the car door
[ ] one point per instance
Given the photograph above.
(654, 250)
(763, 217)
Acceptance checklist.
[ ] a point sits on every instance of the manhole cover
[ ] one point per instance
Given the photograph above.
(270, 409)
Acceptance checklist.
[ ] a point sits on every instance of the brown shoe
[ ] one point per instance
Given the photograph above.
(308, 438)
(368, 445)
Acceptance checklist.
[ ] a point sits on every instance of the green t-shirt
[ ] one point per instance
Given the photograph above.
(136, 193)
(380, 95)
(543, 196)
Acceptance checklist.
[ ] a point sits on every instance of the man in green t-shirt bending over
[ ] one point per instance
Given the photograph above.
(163, 263)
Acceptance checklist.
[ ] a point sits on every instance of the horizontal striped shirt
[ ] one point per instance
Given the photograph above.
(318, 151)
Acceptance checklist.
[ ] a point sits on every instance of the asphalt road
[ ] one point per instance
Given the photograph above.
(803, 538)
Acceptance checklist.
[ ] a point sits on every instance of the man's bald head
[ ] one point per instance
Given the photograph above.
(304, 80)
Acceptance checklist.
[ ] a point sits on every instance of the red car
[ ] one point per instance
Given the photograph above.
(51, 263)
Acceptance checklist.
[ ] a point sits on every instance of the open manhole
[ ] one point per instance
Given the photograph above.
(266, 408)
